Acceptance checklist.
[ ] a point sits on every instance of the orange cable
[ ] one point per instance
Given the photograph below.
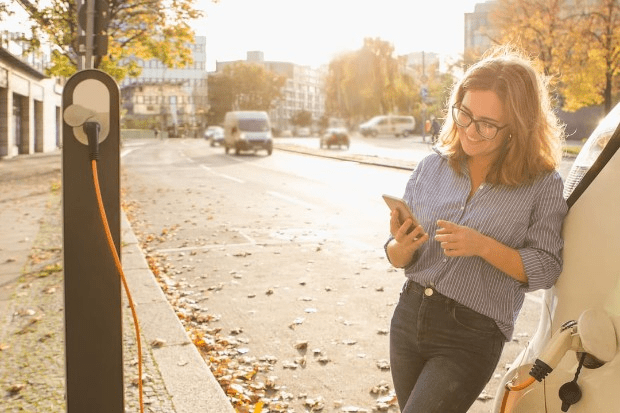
(517, 387)
(119, 267)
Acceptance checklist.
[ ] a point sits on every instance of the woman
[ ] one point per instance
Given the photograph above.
(490, 208)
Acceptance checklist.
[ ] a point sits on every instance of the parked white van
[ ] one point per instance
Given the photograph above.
(247, 131)
(388, 125)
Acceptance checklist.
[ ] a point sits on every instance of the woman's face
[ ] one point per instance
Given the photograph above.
(485, 106)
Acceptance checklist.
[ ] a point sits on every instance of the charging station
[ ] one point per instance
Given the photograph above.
(93, 306)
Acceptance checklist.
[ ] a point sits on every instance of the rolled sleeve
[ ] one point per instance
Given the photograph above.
(542, 254)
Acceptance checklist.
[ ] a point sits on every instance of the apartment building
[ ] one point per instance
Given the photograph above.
(477, 28)
(30, 101)
(169, 98)
(303, 91)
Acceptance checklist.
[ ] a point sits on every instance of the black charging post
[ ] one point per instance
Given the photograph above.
(93, 308)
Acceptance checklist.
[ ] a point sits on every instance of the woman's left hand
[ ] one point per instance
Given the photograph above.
(459, 241)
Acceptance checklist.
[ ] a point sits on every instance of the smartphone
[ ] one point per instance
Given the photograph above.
(403, 209)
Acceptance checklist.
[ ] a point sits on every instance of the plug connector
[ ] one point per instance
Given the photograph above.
(92, 130)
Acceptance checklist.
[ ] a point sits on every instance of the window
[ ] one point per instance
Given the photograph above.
(253, 125)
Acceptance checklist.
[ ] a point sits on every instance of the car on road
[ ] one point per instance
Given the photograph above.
(388, 125)
(215, 134)
(335, 137)
(247, 131)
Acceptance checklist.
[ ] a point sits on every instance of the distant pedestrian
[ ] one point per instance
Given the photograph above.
(156, 132)
(490, 207)
(434, 129)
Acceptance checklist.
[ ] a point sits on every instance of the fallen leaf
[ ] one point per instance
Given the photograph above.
(157, 343)
(383, 364)
(16, 388)
(301, 345)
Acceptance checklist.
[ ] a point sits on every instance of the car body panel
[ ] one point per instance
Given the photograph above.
(590, 281)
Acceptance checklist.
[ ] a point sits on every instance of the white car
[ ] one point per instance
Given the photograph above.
(215, 134)
(572, 362)
(304, 132)
(388, 125)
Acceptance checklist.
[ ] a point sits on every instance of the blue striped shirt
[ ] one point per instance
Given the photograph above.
(527, 218)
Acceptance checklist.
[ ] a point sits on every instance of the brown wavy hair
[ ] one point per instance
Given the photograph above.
(534, 143)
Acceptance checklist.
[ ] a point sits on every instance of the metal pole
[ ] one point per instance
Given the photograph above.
(90, 32)
(80, 59)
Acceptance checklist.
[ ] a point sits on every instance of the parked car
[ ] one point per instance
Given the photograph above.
(304, 132)
(335, 136)
(388, 125)
(215, 134)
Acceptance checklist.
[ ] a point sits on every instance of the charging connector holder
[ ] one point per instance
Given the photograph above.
(91, 103)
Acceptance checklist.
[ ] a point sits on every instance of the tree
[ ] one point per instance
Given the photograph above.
(364, 83)
(603, 51)
(542, 27)
(243, 86)
(577, 43)
(142, 29)
(302, 118)
(371, 81)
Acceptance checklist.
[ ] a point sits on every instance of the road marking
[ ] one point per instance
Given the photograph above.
(127, 151)
(291, 199)
(232, 178)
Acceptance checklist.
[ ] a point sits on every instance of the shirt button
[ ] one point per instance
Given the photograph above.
(428, 292)
(462, 208)
(445, 260)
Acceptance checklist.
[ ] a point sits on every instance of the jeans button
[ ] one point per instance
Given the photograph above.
(428, 292)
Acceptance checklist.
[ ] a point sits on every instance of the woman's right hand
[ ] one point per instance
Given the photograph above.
(406, 240)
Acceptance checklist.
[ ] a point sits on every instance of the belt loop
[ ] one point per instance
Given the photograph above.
(407, 286)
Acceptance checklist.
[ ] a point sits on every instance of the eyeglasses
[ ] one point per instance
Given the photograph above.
(486, 130)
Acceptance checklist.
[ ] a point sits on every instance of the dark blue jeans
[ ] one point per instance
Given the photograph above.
(442, 353)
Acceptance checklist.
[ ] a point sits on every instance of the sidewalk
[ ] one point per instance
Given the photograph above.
(32, 369)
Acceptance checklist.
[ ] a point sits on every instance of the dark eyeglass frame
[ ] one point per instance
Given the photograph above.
(477, 122)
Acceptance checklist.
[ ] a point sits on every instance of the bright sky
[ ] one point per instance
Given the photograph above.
(312, 32)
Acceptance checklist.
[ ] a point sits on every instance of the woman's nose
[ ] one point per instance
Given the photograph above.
(471, 131)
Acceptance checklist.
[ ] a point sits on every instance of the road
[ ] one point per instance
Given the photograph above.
(276, 267)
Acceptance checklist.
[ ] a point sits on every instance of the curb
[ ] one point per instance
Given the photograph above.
(365, 159)
(188, 379)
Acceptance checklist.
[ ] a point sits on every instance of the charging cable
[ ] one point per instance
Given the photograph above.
(92, 132)
(518, 387)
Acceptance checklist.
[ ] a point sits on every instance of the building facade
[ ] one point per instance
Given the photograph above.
(477, 28)
(164, 106)
(303, 91)
(30, 101)
(177, 97)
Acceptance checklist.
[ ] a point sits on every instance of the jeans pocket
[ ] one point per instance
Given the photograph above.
(473, 321)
